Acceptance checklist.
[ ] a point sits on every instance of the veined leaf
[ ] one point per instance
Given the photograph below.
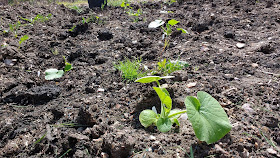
(208, 118)
(147, 118)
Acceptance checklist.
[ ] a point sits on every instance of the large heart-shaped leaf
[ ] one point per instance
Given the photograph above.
(51, 74)
(208, 118)
(147, 118)
(164, 124)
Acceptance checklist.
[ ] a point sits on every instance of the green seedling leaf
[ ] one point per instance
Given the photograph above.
(208, 118)
(68, 66)
(164, 124)
(156, 24)
(51, 74)
(173, 22)
(149, 79)
(147, 118)
(183, 30)
(23, 38)
(164, 98)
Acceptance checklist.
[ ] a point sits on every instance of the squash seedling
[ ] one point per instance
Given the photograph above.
(167, 117)
(209, 120)
(51, 74)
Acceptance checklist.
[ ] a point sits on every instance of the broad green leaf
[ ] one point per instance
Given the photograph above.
(156, 24)
(67, 67)
(123, 4)
(173, 22)
(164, 98)
(208, 118)
(147, 118)
(51, 74)
(148, 79)
(183, 30)
(164, 124)
(23, 38)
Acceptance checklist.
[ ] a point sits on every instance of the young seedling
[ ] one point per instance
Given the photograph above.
(14, 27)
(208, 118)
(167, 30)
(51, 74)
(38, 17)
(130, 70)
(129, 10)
(166, 67)
(22, 39)
(167, 117)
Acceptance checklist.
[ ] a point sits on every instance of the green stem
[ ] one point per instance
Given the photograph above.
(177, 113)
(162, 113)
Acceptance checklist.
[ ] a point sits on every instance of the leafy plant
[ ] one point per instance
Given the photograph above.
(167, 30)
(51, 74)
(76, 8)
(166, 67)
(72, 28)
(167, 117)
(208, 119)
(129, 10)
(14, 27)
(38, 17)
(130, 70)
(22, 39)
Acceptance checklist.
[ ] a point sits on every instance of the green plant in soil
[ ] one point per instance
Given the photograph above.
(167, 30)
(22, 39)
(130, 69)
(166, 67)
(14, 27)
(129, 10)
(208, 119)
(76, 8)
(51, 74)
(38, 17)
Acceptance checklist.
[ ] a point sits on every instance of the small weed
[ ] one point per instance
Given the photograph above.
(129, 10)
(22, 39)
(166, 67)
(55, 52)
(72, 28)
(14, 28)
(40, 139)
(65, 153)
(68, 125)
(130, 70)
(38, 17)
(77, 8)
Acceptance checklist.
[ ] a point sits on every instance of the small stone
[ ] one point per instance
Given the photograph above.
(126, 115)
(100, 90)
(271, 151)
(240, 45)
(247, 108)
(229, 34)
(153, 138)
(118, 106)
(254, 65)
(79, 136)
(191, 84)
(104, 155)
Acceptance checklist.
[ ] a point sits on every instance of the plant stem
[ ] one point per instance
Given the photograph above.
(177, 113)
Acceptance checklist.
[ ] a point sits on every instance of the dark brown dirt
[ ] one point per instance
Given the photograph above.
(105, 123)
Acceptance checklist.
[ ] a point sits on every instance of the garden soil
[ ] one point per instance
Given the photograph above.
(233, 51)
